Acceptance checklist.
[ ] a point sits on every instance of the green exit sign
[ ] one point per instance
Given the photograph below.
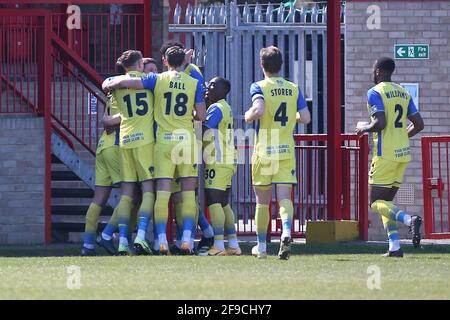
(412, 51)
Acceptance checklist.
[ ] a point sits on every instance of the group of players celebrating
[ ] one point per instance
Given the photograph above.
(149, 147)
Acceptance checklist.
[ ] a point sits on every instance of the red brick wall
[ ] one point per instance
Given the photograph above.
(425, 22)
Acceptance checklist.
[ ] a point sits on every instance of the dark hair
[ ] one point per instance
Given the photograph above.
(119, 68)
(169, 44)
(225, 83)
(175, 56)
(149, 60)
(271, 59)
(129, 58)
(386, 64)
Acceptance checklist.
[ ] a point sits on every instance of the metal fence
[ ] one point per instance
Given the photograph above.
(436, 186)
(227, 40)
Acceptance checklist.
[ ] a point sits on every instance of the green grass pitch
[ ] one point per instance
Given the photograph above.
(313, 272)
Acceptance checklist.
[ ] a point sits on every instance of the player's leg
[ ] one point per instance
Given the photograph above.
(262, 185)
(145, 172)
(164, 173)
(284, 192)
(214, 198)
(127, 189)
(124, 209)
(284, 177)
(207, 239)
(137, 201)
(101, 195)
(177, 206)
(188, 210)
(144, 213)
(262, 217)
(381, 199)
(103, 183)
(230, 228)
(163, 187)
(381, 179)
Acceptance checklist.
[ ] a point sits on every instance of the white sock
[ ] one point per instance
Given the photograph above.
(394, 245)
(233, 243)
(106, 236)
(123, 241)
(192, 243)
(88, 246)
(286, 234)
(187, 236)
(407, 220)
(219, 244)
(162, 238)
(262, 247)
(156, 245)
(141, 234)
(178, 244)
(208, 232)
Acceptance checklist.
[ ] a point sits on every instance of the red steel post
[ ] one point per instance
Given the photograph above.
(364, 187)
(426, 175)
(334, 109)
(44, 107)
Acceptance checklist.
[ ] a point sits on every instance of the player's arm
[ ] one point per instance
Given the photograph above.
(213, 118)
(122, 82)
(303, 115)
(414, 116)
(112, 121)
(147, 82)
(378, 117)
(258, 105)
(200, 106)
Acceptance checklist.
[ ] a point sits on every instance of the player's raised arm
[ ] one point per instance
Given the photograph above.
(414, 116)
(303, 115)
(258, 105)
(123, 82)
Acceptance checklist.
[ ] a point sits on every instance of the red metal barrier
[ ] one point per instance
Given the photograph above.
(310, 195)
(436, 187)
(103, 36)
(18, 73)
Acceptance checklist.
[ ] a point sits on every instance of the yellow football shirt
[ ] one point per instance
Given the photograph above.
(175, 94)
(274, 130)
(136, 109)
(219, 146)
(112, 139)
(392, 142)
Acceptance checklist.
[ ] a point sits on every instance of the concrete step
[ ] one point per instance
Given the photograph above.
(77, 210)
(72, 193)
(64, 175)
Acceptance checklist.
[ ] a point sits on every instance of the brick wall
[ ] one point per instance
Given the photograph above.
(425, 22)
(22, 173)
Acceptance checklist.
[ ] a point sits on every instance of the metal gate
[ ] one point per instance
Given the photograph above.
(436, 187)
(227, 40)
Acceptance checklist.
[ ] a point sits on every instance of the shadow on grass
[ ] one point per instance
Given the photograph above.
(351, 248)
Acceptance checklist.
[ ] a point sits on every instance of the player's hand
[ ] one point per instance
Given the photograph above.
(361, 128)
(360, 131)
(107, 87)
(188, 56)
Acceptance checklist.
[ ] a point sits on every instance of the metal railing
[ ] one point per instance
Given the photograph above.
(309, 196)
(436, 186)
(227, 38)
(102, 36)
(18, 63)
